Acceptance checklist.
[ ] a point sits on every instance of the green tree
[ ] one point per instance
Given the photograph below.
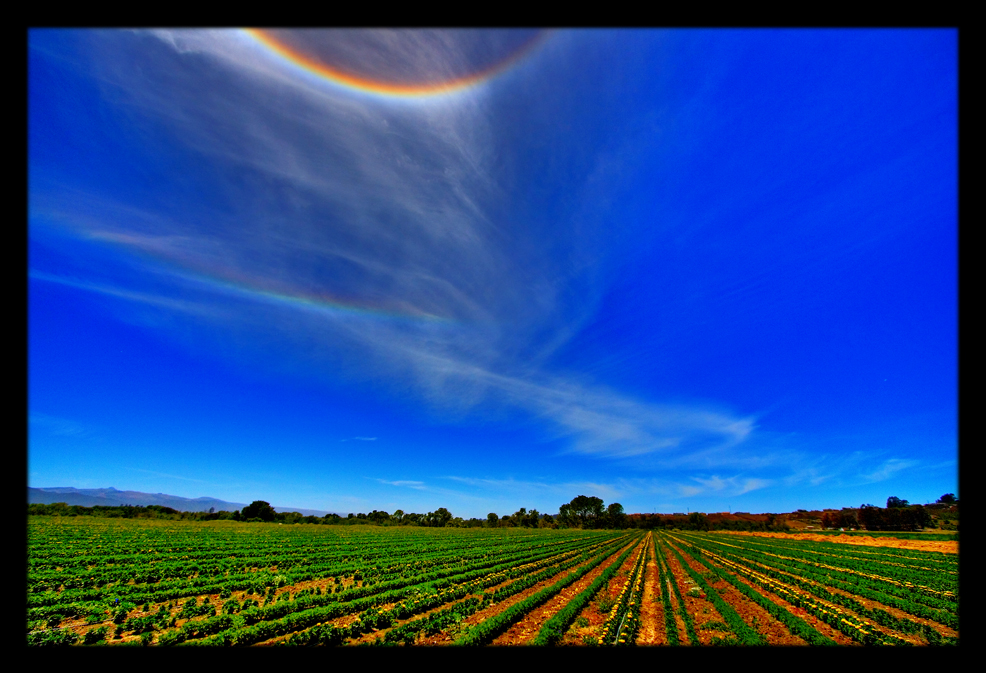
(894, 502)
(439, 517)
(698, 521)
(492, 520)
(586, 510)
(948, 499)
(259, 509)
(616, 517)
(519, 517)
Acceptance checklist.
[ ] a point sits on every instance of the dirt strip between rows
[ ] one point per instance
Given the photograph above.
(943, 546)
(527, 628)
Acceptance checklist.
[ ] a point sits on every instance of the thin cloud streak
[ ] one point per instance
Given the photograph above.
(422, 486)
(56, 425)
(535, 489)
(419, 485)
(175, 476)
(889, 468)
(625, 488)
(130, 295)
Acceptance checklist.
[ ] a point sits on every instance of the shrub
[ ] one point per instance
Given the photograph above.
(94, 635)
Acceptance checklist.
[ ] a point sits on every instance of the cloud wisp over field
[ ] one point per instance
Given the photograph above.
(355, 270)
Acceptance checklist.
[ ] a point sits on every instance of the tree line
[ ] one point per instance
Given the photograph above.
(588, 512)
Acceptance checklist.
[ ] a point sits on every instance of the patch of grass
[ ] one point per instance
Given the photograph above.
(714, 626)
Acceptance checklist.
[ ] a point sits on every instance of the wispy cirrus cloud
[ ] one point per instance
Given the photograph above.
(432, 490)
(731, 485)
(538, 489)
(620, 489)
(56, 425)
(889, 469)
(121, 293)
(326, 198)
(408, 483)
(175, 476)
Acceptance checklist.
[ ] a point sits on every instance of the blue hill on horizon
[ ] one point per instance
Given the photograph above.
(112, 497)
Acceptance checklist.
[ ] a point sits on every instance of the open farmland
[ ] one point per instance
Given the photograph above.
(117, 582)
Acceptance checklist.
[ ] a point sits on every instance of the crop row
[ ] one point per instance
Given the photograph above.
(890, 593)
(800, 589)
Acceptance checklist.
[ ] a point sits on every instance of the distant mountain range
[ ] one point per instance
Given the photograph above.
(111, 497)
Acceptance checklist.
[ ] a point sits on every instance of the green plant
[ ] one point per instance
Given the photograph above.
(582, 622)
(714, 626)
(94, 635)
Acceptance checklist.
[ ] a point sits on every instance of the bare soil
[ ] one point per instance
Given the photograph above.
(590, 621)
(652, 629)
(754, 616)
(528, 627)
(704, 615)
(944, 546)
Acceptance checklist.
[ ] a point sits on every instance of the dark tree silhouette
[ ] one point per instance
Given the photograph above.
(259, 509)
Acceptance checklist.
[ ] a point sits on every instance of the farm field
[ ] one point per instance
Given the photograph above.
(118, 582)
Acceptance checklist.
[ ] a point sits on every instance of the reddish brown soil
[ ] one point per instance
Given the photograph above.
(944, 546)
(528, 627)
(446, 638)
(900, 614)
(754, 616)
(915, 639)
(702, 612)
(810, 619)
(652, 629)
(840, 638)
(593, 615)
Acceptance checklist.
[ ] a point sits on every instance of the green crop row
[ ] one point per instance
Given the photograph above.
(667, 576)
(746, 635)
(795, 624)
(553, 630)
(489, 629)
(845, 622)
(917, 604)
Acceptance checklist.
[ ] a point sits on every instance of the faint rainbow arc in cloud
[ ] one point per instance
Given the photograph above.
(320, 303)
(390, 89)
(233, 282)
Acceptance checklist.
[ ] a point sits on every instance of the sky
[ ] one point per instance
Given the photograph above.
(347, 270)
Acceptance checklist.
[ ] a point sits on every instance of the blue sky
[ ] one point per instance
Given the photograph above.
(352, 270)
